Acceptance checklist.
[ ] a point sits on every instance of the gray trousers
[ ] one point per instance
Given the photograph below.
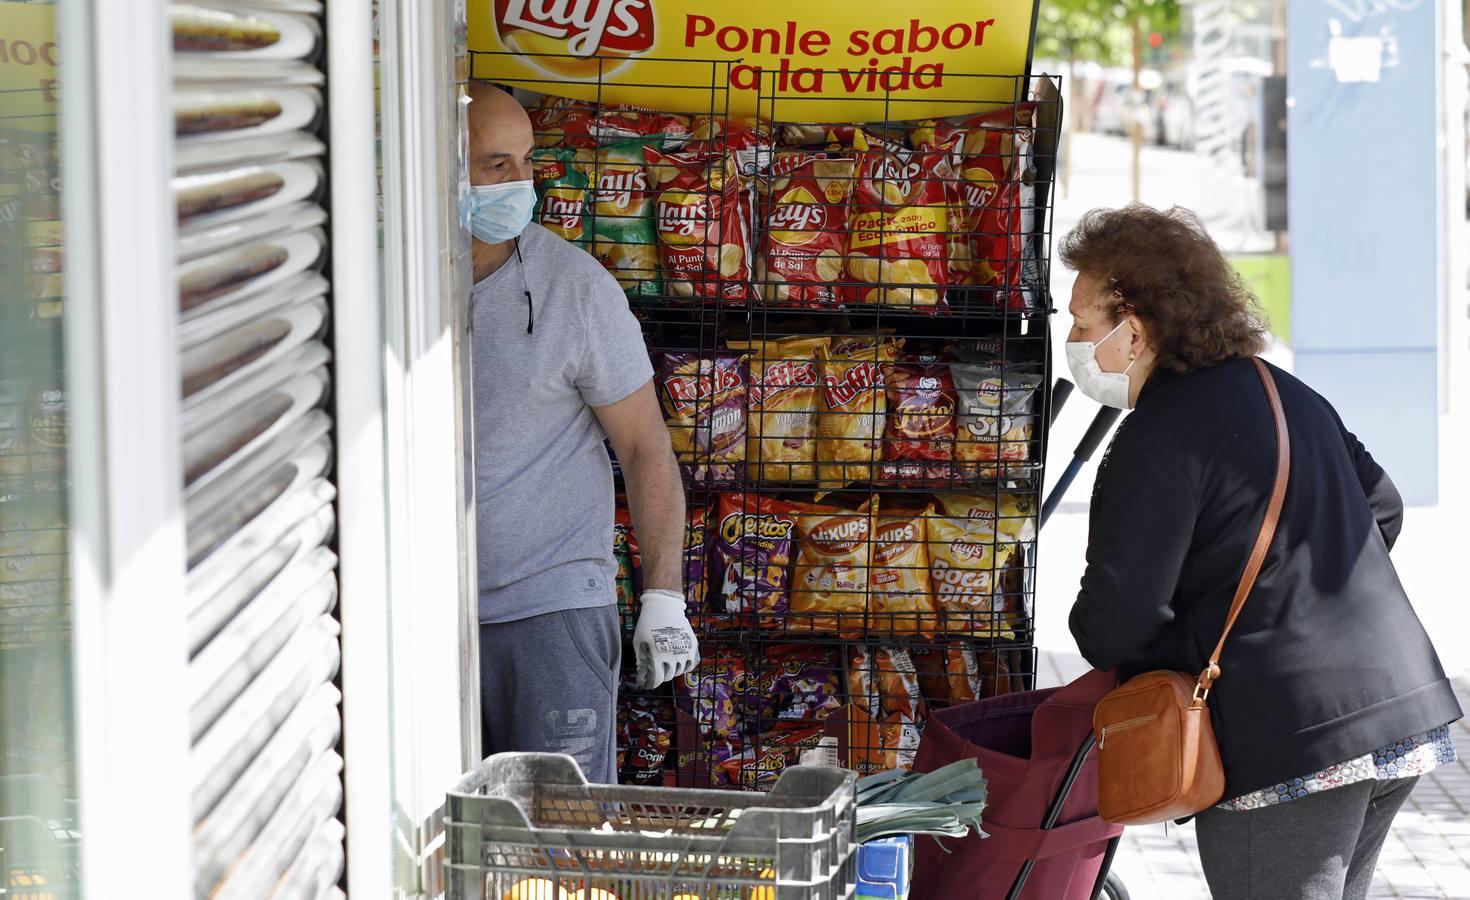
(1320, 847)
(549, 684)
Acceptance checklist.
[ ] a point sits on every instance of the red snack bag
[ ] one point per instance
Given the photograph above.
(615, 124)
(898, 248)
(989, 153)
(841, 135)
(805, 216)
(752, 556)
(701, 212)
(918, 442)
(758, 767)
(559, 122)
(747, 139)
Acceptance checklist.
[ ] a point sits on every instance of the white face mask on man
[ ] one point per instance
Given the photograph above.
(1108, 388)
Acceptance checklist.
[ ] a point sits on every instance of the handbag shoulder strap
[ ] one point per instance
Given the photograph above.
(1263, 540)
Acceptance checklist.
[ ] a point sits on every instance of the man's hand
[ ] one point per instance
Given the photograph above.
(663, 642)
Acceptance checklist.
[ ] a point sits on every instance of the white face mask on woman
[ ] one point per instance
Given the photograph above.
(1108, 388)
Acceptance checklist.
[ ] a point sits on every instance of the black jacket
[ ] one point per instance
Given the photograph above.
(1328, 660)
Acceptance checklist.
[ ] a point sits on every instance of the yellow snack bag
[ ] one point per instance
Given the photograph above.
(781, 440)
(854, 408)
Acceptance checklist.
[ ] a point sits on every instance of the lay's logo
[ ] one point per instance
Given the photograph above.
(580, 28)
(797, 218)
(682, 216)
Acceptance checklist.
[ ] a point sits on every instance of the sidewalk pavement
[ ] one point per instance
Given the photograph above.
(1427, 854)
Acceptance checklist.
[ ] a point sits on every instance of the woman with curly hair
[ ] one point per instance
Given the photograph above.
(1332, 701)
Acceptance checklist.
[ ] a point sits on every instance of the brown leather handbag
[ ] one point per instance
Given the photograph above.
(1157, 754)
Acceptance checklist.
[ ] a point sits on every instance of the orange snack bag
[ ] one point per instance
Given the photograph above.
(902, 602)
(829, 589)
(782, 427)
(854, 408)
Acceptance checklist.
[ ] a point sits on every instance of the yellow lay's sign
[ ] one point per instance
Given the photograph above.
(860, 60)
(28, 58)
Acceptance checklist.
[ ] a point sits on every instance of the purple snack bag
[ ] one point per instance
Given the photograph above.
(704, 407)
(708, 694)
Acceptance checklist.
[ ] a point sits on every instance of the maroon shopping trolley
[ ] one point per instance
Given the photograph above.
(1045, 840)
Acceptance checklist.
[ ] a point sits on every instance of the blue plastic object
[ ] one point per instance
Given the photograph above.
(884, 867)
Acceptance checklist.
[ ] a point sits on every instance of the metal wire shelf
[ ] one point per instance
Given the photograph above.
(848, 326)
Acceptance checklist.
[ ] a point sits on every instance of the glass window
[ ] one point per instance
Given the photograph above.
(37, 741)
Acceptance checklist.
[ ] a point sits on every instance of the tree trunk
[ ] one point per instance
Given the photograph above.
(1135, 125)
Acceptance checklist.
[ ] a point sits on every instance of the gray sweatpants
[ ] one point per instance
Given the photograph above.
(549, 684)
(1320, 847)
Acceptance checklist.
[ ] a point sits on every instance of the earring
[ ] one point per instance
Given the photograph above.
(1132, 357)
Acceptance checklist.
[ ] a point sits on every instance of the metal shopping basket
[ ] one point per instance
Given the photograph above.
(525, 816)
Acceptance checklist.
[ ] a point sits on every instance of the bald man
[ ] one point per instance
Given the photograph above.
(559, 366)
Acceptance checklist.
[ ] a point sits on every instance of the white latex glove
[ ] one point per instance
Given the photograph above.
(663, 642)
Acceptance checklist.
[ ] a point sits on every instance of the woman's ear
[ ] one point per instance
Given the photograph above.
(1138, 337)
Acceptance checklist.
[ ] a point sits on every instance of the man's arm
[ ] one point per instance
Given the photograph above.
(635, 425)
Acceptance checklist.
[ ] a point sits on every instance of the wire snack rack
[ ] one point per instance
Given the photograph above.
(848, 326)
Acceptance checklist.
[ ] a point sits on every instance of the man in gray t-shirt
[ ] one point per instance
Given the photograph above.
(559, 366)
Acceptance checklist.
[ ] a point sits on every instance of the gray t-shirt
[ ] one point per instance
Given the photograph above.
(544, 488)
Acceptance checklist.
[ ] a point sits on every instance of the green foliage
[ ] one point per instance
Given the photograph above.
(1100, 30)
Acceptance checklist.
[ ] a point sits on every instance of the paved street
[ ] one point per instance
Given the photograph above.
(1428, 854)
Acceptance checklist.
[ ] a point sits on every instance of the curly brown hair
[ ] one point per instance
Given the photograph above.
(1170, 272)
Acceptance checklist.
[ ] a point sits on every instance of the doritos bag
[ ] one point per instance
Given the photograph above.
(902, 602)
(829, 589)
(752, 556)
(897, 252)
(805, 212)
(560, 177)
(854, 408)
(918, 443)
(704, 401)
(781, 446)
(702, 213)
(623, 237)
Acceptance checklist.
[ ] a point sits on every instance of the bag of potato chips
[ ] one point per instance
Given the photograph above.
(747, 139)
(623, 237)
(560, 176)
(884, 684)
(918, 442)
(991, 154)
(997, 417)
(696, 580)
(702, 214)
(804, 208)
(854, 408)
(781, 446)
(897, 250)
(751, 557)
(971, 542)
(829, 588)
(704, 401)
(561, 122)
(902, 602)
